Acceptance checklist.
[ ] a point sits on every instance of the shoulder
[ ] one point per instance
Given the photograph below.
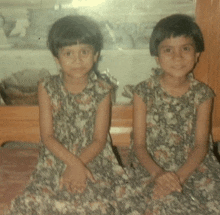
(51, 84)
(202, 88)
(151, 82)
(202, 91)
(100, 83)
(50, 80)
(146, 89)
(146, 86)
(99, 89)
(101, 86)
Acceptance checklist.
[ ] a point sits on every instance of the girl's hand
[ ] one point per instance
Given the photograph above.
(74, 178)
(166, 183)
(77, 187)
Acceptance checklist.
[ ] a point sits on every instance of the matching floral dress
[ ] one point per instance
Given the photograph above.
(170, 132)
(171, 126)
(73, 123)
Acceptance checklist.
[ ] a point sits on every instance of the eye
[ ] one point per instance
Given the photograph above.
(167, 50)
(85, 51)
(186, 48)
(67, 53)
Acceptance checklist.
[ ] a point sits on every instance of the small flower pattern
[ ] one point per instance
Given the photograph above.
(73, 123)
(171, 124)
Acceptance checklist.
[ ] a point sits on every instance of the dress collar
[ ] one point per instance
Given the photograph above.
(92, 77)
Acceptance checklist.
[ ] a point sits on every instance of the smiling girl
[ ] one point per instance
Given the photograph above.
(77, 172)
(175, 169)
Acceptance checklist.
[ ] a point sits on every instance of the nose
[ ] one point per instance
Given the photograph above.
(76, 58)
(178, 54)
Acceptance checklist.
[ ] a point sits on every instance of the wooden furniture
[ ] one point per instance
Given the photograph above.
(18, 160)
(21, 123)
(208, 68)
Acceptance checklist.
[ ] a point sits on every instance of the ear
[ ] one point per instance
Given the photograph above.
(157, 60)
(56, 60)
(197, 56)
(96, 57)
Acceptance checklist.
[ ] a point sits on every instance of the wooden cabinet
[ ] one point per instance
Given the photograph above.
(208, 68)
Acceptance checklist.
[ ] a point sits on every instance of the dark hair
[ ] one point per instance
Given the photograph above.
(174, 26)
(71, 30)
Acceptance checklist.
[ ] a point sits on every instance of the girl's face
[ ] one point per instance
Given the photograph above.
(76, 60)
(177, 56)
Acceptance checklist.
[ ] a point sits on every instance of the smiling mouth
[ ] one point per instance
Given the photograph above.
(178, 67)
(77, 69)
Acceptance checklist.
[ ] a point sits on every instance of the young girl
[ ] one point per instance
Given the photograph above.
(175, 168)
(77, 171)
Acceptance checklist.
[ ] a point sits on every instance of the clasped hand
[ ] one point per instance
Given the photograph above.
(75, 177)
(166, 183)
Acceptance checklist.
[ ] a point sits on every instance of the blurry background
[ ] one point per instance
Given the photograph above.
(126, 26)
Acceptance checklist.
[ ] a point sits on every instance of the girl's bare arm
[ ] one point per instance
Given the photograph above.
(100, 133)
(200, 149)
(47, 133)
(139, 125)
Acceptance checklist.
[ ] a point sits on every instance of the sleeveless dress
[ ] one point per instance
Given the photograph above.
(170, 136)
(73, 123)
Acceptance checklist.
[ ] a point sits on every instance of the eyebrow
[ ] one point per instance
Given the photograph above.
(191, 44)
(187, 44)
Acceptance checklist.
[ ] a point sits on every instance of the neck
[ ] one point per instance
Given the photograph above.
(174, 82)
(75, 85)
(75, 80)
(175, 86)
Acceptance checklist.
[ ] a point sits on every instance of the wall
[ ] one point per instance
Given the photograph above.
(126, 26)
(127, 66)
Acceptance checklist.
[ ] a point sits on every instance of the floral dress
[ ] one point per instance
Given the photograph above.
(170, 136)
(73, 123)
